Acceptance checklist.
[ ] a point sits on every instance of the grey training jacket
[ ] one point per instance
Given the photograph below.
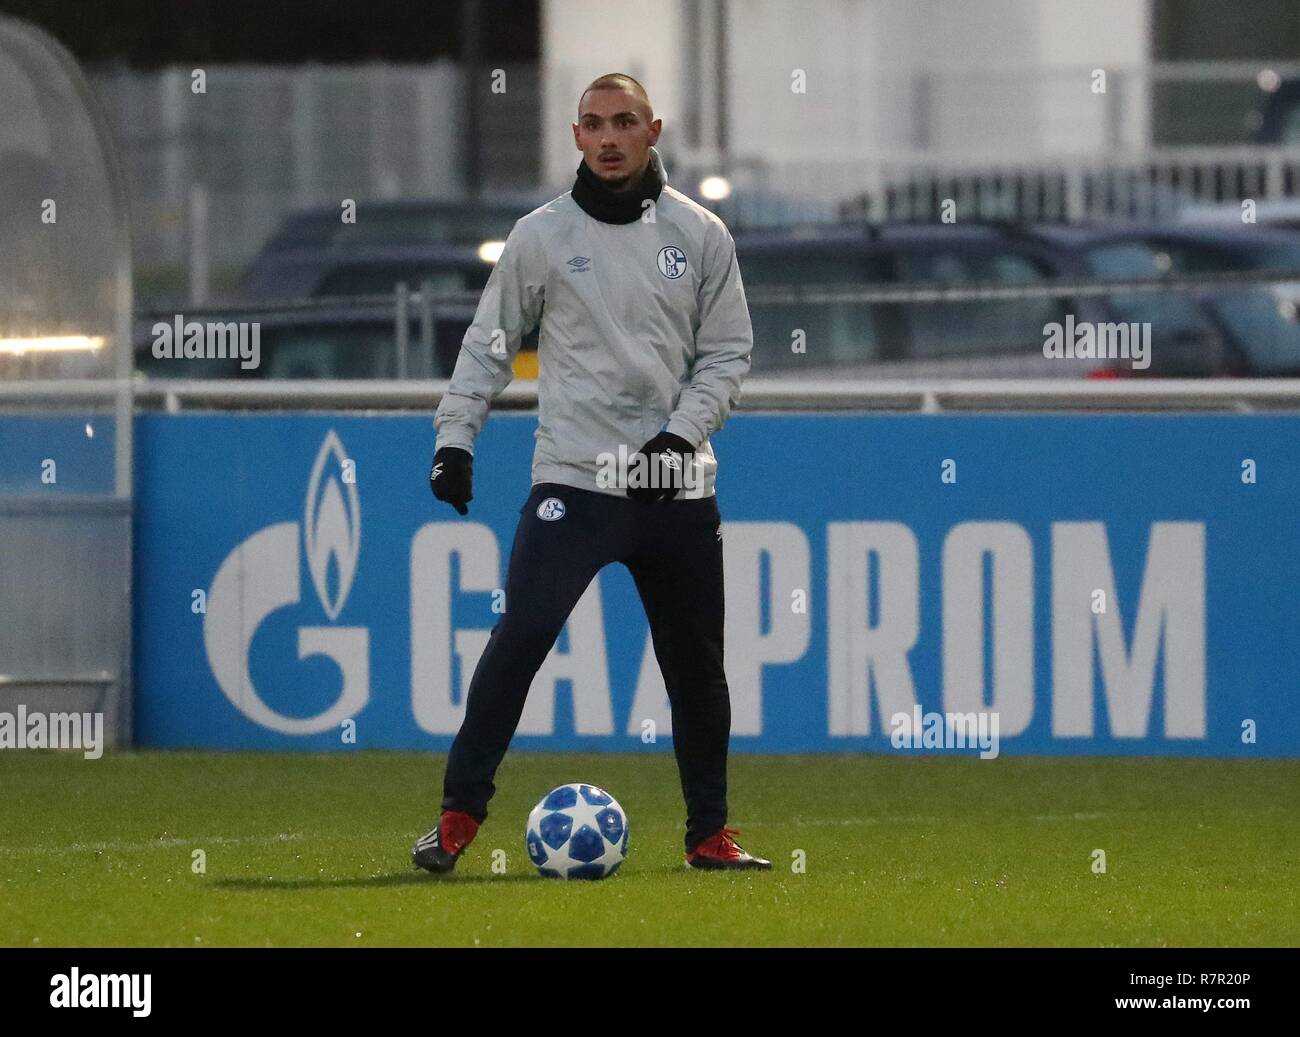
(644, 326)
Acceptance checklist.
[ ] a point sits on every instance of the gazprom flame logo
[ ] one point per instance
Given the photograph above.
(332, 526)
(264, 574)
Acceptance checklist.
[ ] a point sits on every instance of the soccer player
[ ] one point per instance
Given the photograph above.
(645, 339)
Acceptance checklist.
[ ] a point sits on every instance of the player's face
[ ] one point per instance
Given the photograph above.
(614, 134)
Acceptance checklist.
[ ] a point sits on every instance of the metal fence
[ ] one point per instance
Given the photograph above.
(212, 173)
(427, 324)
(1143, 186)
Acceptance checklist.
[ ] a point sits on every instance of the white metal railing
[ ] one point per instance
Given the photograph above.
(1014, 140)
(426, 302)
(1132, 184)
(921, 395)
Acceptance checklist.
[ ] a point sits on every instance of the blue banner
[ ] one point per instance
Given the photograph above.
(978, 584)
(68, 454)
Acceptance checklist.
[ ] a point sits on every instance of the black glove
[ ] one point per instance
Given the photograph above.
(452, 478)
(667, 457)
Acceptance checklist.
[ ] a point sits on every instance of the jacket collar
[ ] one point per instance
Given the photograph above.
(600, 203)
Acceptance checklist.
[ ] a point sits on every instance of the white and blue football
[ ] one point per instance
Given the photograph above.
(577, 831)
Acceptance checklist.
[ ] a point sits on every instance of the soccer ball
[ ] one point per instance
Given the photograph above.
(577, 832)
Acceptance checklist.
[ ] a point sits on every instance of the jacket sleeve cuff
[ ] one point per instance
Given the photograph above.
(452, 440)
(688, 430)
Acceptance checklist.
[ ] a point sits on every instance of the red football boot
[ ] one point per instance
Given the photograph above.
(438, 851)
(720, 853)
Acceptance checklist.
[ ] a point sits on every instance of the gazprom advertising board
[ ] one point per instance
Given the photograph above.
(1098, 584)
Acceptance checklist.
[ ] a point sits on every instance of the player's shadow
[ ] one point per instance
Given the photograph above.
(404, 878)
(418, 878)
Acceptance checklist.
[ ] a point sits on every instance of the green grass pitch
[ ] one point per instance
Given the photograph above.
(305, 850)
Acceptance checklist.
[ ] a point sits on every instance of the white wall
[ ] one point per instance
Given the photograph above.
(1077, 38)
(1000, 79)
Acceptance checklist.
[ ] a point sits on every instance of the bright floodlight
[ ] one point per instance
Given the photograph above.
(51, 344)
(715, 188)
(1268, 81)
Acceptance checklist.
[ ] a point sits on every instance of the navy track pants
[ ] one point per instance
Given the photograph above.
(674, 553)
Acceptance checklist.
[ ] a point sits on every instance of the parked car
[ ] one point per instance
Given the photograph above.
(351, 271)
(997, 337)
(352, 332)
(313, 250)
(1258, 325)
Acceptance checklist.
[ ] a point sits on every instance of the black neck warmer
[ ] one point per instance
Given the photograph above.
(600, 203)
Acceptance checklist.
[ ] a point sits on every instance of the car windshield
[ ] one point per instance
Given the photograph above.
(1264, 324)
(1201, 257)
(331, 352)
(1291, 125)
(791, 335)
(989, 328)
(1171, 313)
